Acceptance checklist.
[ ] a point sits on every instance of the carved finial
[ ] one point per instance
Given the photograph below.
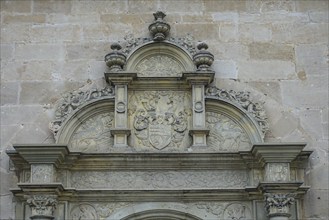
(116, 59)
(203, 59)
(159, 29)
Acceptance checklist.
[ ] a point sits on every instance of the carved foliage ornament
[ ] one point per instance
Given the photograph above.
(242, 99)
(42, 204)
(278, 204)
(73, 100)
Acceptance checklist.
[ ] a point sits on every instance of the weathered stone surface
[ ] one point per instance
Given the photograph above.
(16, 6)
(225, 69)
(7, 51)
(199, 31)
(142, 6)
(285, 125)
(194, 6)
(319, 17)
(229, 32)
(267, 51)
(90, 51)
(319, 197)
(232, 17)
(310, 120)
(309, 55)
(34, 19)
(39, 51)
(250, 32)
(15, 33)
(269, 89)
(55, 33)
(9, 93)
(265, 70)
(44, 92)
(316, 5)
(214, 6)
(305, 94)
(259, 6)
(49, 7)
(228, 50)
(300, 33)
(73, 18)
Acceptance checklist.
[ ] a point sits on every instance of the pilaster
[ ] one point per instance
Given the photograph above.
(278, 190)
(120, 80)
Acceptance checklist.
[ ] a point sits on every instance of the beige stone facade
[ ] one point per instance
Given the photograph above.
(276, 50)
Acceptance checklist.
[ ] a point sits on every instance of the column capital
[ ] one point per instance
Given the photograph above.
(278, 204)
(42, 206)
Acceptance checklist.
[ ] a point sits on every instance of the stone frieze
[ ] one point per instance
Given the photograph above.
(159, 179)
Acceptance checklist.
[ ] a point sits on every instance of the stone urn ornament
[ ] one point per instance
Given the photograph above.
(159, 29)
(203, 59)
(116, 59)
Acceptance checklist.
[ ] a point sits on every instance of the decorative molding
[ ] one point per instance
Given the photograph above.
(73, 100)
(278, 204)
(159, 179)
(277, 172)
(42, 204)
(242, 99)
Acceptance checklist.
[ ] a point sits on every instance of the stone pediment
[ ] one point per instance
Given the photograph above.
(158, 142)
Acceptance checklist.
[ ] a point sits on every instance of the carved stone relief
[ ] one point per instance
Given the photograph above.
(225, 134)
(237, 211)
(159, 66)
(84, 211)
(242, 99)
(160, 120)
(277, 172)
(42, 173)
(93, 135)
(73, 100)
(159, 179)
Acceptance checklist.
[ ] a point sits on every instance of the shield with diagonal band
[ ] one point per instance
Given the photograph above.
(159, 135)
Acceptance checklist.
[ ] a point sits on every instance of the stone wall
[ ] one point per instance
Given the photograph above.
(277, 50)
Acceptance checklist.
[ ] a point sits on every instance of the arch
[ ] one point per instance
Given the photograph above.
(180, 59)
(82, 114)
(238, 115)
(155, 211)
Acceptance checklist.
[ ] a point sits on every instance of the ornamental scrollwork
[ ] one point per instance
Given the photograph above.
(42, 204)
(237, 211)
(73, 100)
(278, 203)
(242, 99)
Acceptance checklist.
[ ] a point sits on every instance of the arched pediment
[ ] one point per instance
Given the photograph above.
(157, 59)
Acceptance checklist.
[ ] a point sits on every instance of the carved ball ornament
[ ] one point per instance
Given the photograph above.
(159, 29)
(116, 59)
(203, 59)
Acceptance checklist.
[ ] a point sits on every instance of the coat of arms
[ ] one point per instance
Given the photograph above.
(160, 121)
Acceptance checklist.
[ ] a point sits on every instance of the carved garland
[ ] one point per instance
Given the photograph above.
(242, 99)
(72, 101)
